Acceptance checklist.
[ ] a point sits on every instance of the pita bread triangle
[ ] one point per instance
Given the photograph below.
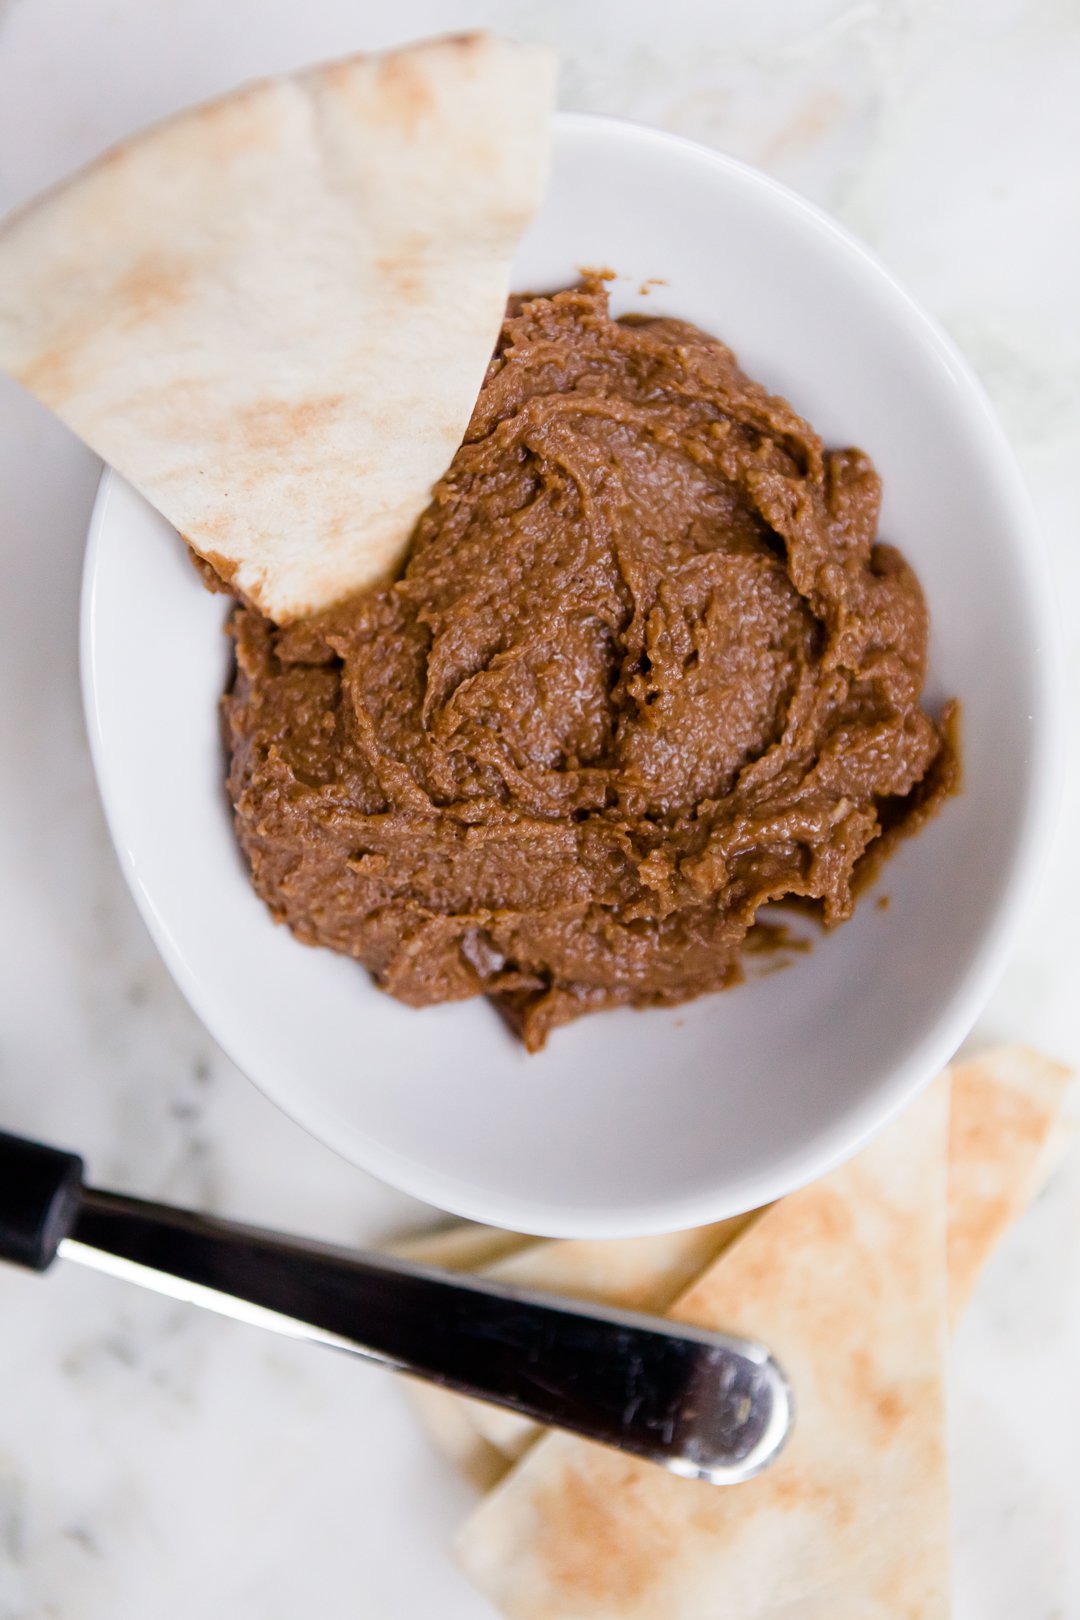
(1007, 1130)
(273, 314)
(462, 1246)
(845, 1281)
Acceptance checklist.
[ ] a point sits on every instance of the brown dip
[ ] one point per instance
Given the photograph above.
(647, 669)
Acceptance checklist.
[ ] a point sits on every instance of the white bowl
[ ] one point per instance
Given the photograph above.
(631, 1122)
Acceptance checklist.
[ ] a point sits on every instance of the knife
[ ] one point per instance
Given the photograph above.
(704, 1405)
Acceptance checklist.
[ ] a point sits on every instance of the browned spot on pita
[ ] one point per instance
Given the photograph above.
(273, 424)
(823, 1219)
(468, 44)
(788, 1487)
(238, 123)
(407, 93)
(408, 245)
(794, 1486)
(484, 155)
(404, 273)
(1011, 1100)
(582, 1535)
(826, 1217)
(890, 1412)
(51, 375)
(152, 286)
(886, 1405)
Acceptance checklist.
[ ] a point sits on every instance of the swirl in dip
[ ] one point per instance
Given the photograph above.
(647, 669)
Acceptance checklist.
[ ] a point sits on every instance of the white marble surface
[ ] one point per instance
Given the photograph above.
(156, 1462)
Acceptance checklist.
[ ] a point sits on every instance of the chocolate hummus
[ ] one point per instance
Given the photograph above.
(647, 669)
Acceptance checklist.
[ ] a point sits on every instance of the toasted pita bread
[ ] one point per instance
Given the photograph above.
(463, 1246)
(643, 1274)
(637, 1274)
(273, 314)
(1007, 1131)
(845, 1280)
(446, 1420)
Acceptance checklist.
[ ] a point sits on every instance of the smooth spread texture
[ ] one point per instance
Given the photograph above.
(648, 668)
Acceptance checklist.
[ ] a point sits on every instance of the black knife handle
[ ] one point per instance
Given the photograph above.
(40, 1192)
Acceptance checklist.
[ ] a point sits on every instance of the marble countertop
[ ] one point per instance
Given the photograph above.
(158, 1462)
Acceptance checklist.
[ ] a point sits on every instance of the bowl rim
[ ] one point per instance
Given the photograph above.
(939, 1041)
